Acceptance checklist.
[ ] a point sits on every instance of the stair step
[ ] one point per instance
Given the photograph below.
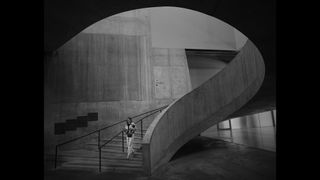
(124, 161)
(138, 132)
(104, 157)
(103, 168)
(95, 153)
(115, 143)
(133, 159)
(118, 138)
(115, 147)
(119, 141)
(118, 147)
(117, 150)
(96, 164)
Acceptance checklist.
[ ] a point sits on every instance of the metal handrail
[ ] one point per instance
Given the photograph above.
(150, 111)
(99, 130)
(140, 120)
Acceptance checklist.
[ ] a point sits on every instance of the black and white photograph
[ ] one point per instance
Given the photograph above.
(159, 90)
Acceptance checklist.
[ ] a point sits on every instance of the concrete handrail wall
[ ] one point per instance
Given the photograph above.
(203, 107)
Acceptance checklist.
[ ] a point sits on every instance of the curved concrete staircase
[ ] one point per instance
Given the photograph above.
(205, 106)
(182, 120)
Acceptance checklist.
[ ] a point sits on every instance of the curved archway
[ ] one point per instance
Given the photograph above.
(249, 17)
(256, 19)
(203, 107)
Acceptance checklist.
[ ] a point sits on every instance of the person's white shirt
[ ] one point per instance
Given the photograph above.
(130, 130)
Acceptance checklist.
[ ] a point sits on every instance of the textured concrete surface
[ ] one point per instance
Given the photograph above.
(110, 68)
(255, 19)
(203, 107)
(262, 138)
(206, 158)
(202, 158)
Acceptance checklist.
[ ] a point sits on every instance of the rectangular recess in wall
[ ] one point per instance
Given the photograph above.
(59, 128)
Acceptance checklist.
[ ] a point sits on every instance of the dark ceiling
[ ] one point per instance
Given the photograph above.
(255, 19)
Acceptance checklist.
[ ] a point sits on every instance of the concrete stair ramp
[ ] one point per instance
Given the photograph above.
(210, 103)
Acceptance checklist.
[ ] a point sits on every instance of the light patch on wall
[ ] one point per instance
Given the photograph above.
(129, 23)
(240, 39)
(178, 81)
(173, 27)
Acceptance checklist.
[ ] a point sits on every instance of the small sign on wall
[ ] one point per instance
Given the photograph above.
(161, 82)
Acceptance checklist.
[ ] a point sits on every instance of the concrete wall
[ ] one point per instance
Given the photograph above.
(202, 68)
(258, 120)
(110, 68)
(171, 74)
(183, 28)
(120, 67)
(240, 39)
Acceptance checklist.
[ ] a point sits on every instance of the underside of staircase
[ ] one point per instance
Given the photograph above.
(113, 159)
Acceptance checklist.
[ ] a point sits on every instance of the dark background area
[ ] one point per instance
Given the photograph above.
(22, 89)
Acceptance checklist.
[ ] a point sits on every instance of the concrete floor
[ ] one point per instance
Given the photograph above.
(201, 158)
(262, 137)
(207, 158)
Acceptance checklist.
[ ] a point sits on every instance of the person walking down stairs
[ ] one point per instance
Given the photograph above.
(130, 129)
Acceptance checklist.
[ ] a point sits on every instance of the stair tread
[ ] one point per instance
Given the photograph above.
(138, 139)
(123, 159)
(114, 141)
(120, 158)
(115, 146)
(120, 136)
(115, 152)
(103, 168)
(96, 165)
(135, 145)
(106, 163)
(136, 136)
(118, 149)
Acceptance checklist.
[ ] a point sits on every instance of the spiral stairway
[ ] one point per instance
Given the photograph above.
(232, 89)
(205, 106)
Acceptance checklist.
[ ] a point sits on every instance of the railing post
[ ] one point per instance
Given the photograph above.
(141, 127)
(99, 159)
(122, 142)
(99, 151)
(55, 157)
(273, 121)
(99, 139)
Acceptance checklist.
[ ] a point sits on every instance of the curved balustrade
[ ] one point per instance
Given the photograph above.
(147, 114)
(203, 107)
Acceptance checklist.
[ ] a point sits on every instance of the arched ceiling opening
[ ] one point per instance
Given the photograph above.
(255, 19)
(173, 27)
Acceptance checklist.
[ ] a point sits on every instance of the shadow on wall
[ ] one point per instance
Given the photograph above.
(73, 124)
